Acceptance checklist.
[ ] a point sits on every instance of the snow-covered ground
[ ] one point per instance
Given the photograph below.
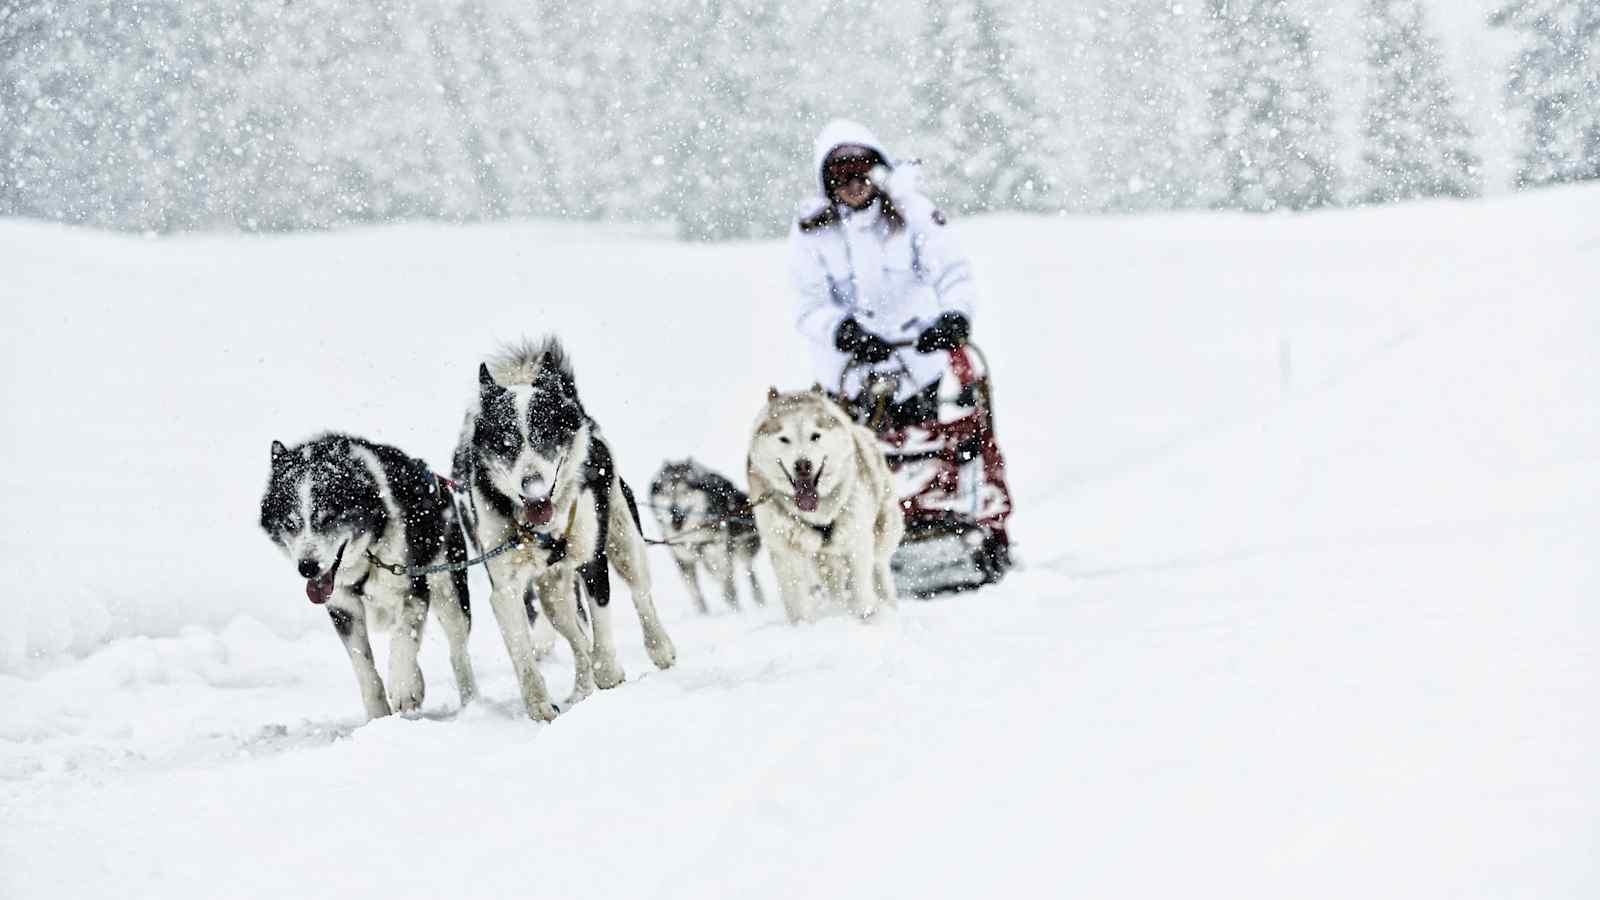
(1309, 512)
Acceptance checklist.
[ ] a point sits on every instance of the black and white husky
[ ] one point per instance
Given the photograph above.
(336, 505)
(708, 523)
(541, 475)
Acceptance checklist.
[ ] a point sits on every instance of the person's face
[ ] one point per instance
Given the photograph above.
(857, 192)
(850, 180)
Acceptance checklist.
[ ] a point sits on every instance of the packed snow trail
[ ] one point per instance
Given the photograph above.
(1328, 638)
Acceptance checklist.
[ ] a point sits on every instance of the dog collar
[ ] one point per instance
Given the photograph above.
(826, 531)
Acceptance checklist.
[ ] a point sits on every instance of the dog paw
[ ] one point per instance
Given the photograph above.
(661, 651)
(543, 711)
(879, 613)
(579, 692)
(608, 675)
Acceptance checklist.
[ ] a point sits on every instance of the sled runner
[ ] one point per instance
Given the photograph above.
(940, 445)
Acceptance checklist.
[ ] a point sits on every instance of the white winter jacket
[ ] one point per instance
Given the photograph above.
(895, 283)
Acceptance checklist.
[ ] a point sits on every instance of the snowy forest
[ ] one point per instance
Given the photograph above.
(269, 115)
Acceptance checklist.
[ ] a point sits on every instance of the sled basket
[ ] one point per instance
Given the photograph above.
(939, 446)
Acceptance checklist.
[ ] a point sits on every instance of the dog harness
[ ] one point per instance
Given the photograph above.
(523, 536)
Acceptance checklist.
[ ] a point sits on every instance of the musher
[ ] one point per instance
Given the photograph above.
(886, 300)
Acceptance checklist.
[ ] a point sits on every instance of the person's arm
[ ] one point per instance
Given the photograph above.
(947, 269)
(945, 265)
(817, 313)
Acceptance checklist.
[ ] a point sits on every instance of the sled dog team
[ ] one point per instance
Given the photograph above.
(535, 490)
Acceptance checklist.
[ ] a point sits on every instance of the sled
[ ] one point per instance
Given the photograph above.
(940, 446)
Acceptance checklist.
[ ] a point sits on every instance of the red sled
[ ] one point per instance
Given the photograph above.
(949, 474)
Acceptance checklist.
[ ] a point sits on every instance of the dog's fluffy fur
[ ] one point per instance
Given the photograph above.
(333, 500)
(536, 462)
(825, 505)
(708, 523)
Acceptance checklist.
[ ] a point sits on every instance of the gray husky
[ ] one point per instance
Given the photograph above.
(708, 523)
(541, 476)
(344, 510)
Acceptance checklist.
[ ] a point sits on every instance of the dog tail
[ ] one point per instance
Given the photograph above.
(521, 362)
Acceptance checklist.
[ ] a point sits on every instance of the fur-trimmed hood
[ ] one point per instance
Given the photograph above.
(839, 133)
(902, 185)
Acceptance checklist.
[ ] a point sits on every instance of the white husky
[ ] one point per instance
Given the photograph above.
(826, 505)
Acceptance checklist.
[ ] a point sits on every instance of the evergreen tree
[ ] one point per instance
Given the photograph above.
(977, 118)
(730, 132)
(1270, 144)
(371, 135)
(592, 123)
(467, 72)
(1555, 85)
(23, 27)
(1417, 143)
(1141, 155)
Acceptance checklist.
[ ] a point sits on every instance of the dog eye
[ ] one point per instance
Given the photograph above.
(784, 438)
(292, 524)
(816, 436)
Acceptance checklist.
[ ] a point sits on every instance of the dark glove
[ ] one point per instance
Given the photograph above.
(947, 332)
(865, 346)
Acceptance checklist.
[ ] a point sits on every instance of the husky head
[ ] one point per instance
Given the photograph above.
(530, 431)
(802, 446)
(322, 509)
(678, 496)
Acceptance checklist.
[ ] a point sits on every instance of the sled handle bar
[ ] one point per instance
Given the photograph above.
(983, 360)
(854, 364)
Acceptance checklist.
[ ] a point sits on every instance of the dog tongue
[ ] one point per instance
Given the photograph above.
(320, 588)
(805, 497)
(538, 512)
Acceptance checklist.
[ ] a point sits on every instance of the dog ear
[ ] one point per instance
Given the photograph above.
(484, 378)
(569, 417)
(772, 393)
(279, 451)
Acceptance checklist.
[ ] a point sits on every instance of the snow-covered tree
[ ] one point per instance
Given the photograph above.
(23, 27)
(1142, 159)
(1271, 145)
(265, 115)
(591, 123)
(731, 130)
(978, 120)
(1417, 143)
(1555, 85)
